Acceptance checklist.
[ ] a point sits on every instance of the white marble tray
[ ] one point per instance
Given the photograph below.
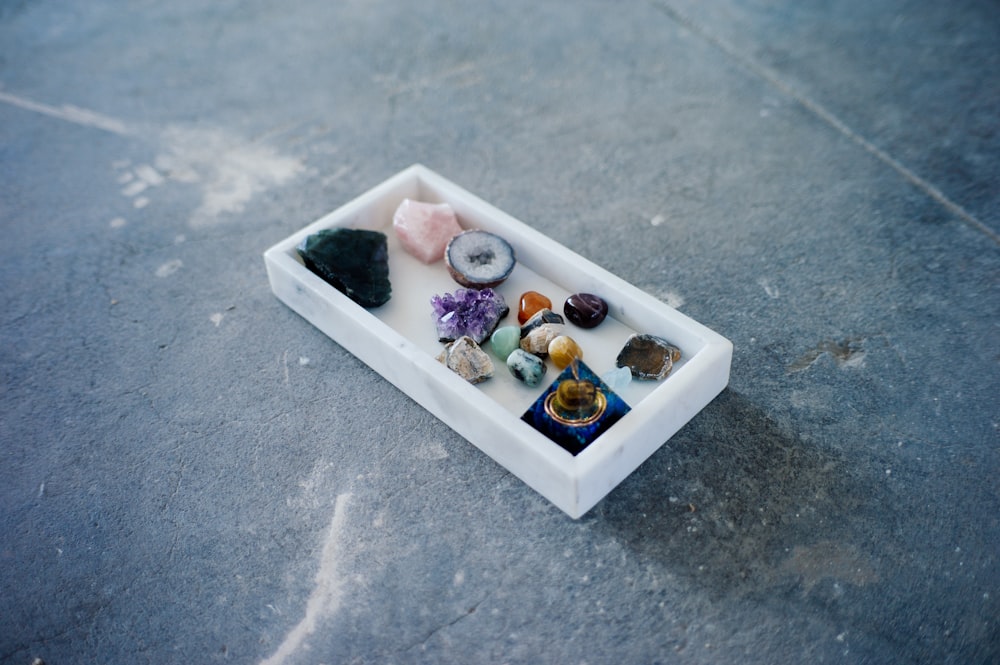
(399, 341)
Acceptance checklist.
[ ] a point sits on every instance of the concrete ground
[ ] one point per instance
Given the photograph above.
(191, 473)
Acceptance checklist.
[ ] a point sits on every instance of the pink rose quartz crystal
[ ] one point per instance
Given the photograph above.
(424, 229)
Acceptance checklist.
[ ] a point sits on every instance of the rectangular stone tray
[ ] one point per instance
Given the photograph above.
(399, 341)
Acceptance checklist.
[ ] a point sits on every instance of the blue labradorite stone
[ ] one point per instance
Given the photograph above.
(526, 367)
(575, 438)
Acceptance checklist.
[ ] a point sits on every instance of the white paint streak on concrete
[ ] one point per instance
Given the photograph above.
(326, 596)
(230, 170)
(770, 289)
(69, 113)
(133, 188)
(149, 175)
(657, 220)
(217, 318)
(117, 222)
(169, 268)
(431, 450)
(856, 359)
(336, 175)
(672, 299)
(140, 202)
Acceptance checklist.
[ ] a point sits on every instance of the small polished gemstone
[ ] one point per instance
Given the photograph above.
(540, 317)
(526, 367)
(618, 378)
(585, 309)
(504, 340)
(353, 261)
(563, 350)
(424, 229)
(531, 302)
(465, 358)
(576, 396)
(648, 356)
(537, 341)
(472, 312)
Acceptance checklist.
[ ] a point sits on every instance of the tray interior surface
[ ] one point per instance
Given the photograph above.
(409, 311)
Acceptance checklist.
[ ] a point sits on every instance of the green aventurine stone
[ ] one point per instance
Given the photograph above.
(353, 261)
(504, 340)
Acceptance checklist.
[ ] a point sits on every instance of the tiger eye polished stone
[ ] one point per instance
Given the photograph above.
(585, 309)
(563, 350)
(575, 395)
(531, 302)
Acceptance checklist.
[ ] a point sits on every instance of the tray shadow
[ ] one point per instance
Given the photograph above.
(730, 497)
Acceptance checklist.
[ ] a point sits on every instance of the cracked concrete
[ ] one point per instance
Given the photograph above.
(813, 182)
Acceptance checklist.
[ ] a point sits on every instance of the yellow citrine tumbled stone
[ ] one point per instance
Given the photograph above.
(563, 350)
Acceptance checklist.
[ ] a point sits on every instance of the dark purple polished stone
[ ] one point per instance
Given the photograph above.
(585, 309)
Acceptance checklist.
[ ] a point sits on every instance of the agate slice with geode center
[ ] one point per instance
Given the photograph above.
(478, 259)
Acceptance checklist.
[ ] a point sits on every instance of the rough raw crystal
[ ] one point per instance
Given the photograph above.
(563, 350)
(648, 356)
(504, 340)
(526, 367)
(618, 378)
(424, 229)
(537, 341)
(353, 261)
(540, 317)
(469, 312)
(465, 358)
(585, 309)
(531, 302)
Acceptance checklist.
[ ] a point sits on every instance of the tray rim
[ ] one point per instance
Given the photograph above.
(573, 483)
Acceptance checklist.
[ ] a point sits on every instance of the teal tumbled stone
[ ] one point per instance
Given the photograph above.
(526, 367)
(504, 340)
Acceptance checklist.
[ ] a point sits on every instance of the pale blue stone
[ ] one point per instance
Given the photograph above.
(504, 340)
(618, 378)
(526, 367)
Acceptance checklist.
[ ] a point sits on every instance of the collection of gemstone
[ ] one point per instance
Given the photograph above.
(579, 405)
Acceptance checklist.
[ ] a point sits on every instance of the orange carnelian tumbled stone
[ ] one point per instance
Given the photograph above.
(531, 302)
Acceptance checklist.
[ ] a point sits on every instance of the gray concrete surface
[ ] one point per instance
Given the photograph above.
(191, 473)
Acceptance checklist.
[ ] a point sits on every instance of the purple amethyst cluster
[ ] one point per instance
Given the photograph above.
(468, 312)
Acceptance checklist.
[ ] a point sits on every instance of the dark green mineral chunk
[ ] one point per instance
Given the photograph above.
(353, 261)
